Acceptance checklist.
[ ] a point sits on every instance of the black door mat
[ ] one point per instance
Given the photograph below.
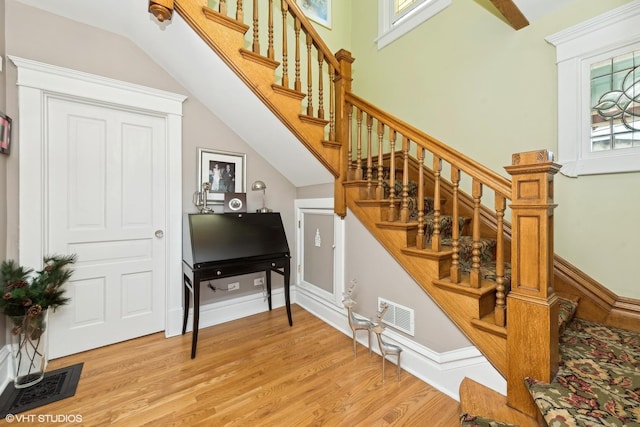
(56, 385)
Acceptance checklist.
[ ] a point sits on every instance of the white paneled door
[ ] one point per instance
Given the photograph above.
(106, 188)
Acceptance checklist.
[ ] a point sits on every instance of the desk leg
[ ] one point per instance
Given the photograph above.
(196, 316)
(187, 297)
(269, 287)
(287, 296)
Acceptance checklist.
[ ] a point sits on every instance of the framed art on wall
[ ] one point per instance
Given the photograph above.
(224, 171)
(5, 133)
(317, 10)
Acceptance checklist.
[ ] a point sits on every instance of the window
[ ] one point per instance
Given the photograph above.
(402, 8)
(599, 93)
(615, 101)
(398, 17)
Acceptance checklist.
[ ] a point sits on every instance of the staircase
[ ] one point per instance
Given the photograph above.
(438, 213)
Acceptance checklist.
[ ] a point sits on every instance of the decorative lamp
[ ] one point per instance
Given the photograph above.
(258, 186)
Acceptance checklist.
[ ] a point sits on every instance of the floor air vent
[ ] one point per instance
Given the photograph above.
(399, 317)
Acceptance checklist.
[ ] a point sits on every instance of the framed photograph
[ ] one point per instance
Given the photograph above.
(317, 10)
(5, 133)
(235, 202)
(223, 170)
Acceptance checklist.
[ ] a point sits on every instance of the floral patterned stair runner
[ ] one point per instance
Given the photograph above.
(598, 380)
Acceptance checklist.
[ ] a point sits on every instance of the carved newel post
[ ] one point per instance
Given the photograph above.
(532, 310)
(343, 128)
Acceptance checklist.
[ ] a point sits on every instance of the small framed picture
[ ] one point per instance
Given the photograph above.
(235, 202)
(5, 133)
(317, 10)
(224, 171)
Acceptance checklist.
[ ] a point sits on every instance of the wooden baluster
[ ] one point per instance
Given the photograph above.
(297, 83)
(369, 157)
(285, 66)
(350, 172)
(500, 315)
(476, 193)
(391, 216)
(420, 236)
(379, 188)
(239, 12)
(455, 234)
(256, 32)
(404, 210)
(436, 239)
(270, 52)
(309, 77)
(222, 7)
(332, 96)
(320, 85)
(359, 145)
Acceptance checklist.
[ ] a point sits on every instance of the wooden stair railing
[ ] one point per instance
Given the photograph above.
(296, 76)
(388, 130)
(293, 75)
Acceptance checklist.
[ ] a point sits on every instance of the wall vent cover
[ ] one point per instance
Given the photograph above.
(398, 316)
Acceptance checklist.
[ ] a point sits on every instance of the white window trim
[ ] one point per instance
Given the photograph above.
(576, 49)
(388, 31)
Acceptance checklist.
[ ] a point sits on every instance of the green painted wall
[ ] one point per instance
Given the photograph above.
(473, 82)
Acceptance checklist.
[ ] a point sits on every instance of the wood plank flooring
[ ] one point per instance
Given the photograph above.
(256, 371)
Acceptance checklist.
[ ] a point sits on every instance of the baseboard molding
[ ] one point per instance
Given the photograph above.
(225, 311)
(444, 371)
(5, 367)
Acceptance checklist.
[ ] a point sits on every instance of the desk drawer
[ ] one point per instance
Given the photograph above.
(239, 269)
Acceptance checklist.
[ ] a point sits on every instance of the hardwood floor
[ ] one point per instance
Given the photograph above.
(255, 371)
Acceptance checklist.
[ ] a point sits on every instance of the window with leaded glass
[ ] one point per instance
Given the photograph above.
(599, 93)
(615, 100)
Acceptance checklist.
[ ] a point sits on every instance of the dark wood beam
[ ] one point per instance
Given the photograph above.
(511, 13)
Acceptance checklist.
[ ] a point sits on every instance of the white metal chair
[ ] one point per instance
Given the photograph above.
(386, 349)
(355, 323)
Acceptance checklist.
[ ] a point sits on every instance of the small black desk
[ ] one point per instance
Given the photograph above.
(215, 246)
(193, 277)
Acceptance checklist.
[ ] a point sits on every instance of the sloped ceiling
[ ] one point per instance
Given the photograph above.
(179, 51)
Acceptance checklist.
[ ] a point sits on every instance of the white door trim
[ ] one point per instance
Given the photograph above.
(35, 81)
(321, 206)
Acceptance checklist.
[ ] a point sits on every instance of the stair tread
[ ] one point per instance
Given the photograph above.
(486, 286)
(426, 252)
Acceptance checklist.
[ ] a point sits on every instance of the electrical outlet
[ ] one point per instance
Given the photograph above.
(233, 286)
(258, 282)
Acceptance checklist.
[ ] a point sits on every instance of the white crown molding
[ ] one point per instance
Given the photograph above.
(612, 26)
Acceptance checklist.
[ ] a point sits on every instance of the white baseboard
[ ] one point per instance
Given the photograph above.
(5, 367)
(225, 311)
(444, 371)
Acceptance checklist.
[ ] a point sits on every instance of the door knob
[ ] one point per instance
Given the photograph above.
(159, 234)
